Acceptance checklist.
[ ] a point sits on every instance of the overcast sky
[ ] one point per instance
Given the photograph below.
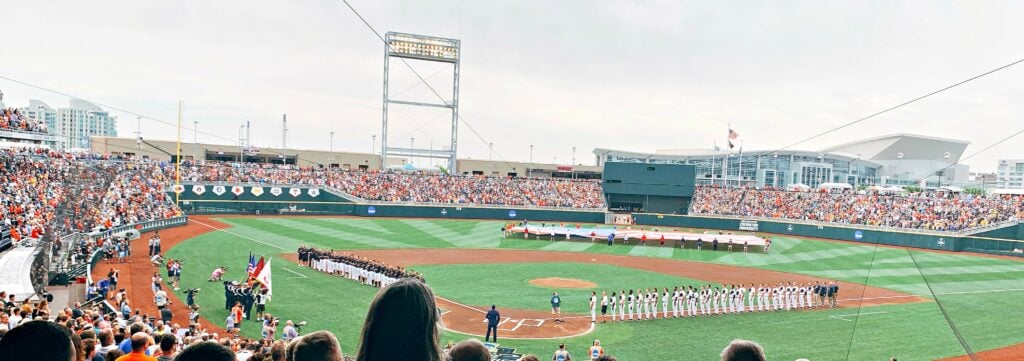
(614, 74)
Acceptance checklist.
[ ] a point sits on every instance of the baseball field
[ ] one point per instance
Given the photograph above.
(917, 305)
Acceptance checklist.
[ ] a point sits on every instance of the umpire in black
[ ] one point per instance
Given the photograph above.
(492, 324)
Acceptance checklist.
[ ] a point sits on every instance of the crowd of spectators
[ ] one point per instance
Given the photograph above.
(46, 194)
(934, 211)
(404, 310)
(412, 186)
(12, 119)
(31, 188)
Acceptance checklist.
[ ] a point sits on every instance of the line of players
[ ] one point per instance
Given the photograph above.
(708, 301)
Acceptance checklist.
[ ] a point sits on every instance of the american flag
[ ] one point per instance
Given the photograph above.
(733, 135)
(252, 264)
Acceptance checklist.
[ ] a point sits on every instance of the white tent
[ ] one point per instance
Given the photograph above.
(834, 186)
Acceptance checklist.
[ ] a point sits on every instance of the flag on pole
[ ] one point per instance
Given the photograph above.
(252, 264)
(263, 277)
(732, 136)
(257, 269)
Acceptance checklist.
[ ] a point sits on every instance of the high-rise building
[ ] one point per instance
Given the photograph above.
(1010, 173)
(75, 124)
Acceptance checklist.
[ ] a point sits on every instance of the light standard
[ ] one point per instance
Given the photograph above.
(195, 139)
(490, 151)
(373, 144)
(331, 155)
(775, 159)
(572, 171)
(529, 171)
(945, 156)
(899, 167)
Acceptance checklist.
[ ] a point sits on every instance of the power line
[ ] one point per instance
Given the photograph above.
(424, 81)
(143, 116)
(886, 110)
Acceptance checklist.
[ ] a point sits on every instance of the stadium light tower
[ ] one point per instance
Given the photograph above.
(423, 48)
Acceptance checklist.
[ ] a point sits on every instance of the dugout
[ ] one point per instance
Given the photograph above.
(651, 188)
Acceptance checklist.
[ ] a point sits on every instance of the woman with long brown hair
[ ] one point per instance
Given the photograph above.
(402, 324)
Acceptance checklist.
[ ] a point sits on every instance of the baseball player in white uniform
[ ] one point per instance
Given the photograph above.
(664, 302)
(593, 307)
(801, 291)
(809, 295)
(630, 303)
(691, 302)
(613, 301)
(622, 305)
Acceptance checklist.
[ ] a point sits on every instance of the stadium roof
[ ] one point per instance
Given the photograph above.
(913, 146)
(870, 151)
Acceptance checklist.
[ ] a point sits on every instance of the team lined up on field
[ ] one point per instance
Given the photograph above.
(707, 300)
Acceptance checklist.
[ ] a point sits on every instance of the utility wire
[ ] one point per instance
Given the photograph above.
(424, 81)
(886, 110)
(945, 314)
(143, 116)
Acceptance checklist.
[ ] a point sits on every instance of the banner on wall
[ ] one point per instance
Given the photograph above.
(199, 189)
(178, 188)
(219, 190)
(313, 192)
(276, 191)
(295, 192)
(256, 191)
(237, 190)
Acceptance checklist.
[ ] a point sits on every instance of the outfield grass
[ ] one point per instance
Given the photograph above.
(965, 286)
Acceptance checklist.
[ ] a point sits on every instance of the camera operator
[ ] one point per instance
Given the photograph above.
(190, 296)
(289, 332)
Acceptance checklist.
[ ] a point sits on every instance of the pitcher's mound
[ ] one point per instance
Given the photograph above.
(558, 282)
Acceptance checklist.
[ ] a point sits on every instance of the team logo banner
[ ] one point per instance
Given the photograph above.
(313, 192)
(178, 188)
(276, 191)
(237, 190)
(219, 190)
(295, 192)
(199, 189)
(256, 191)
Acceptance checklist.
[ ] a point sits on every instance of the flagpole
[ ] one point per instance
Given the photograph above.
(177, 160)
(739, 179)
(714, 153)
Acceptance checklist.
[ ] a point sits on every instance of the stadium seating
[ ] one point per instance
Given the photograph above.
(412, 187)
(925, 211)
(12, 119)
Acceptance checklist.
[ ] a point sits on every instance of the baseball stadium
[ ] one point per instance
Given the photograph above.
(171, 248)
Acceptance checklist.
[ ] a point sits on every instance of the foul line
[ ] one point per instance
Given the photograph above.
(937, 294)
(300, 275)
(245, 237)
(843, 317)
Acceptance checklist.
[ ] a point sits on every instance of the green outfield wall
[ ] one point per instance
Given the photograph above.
(265, 200)
(975, 243)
